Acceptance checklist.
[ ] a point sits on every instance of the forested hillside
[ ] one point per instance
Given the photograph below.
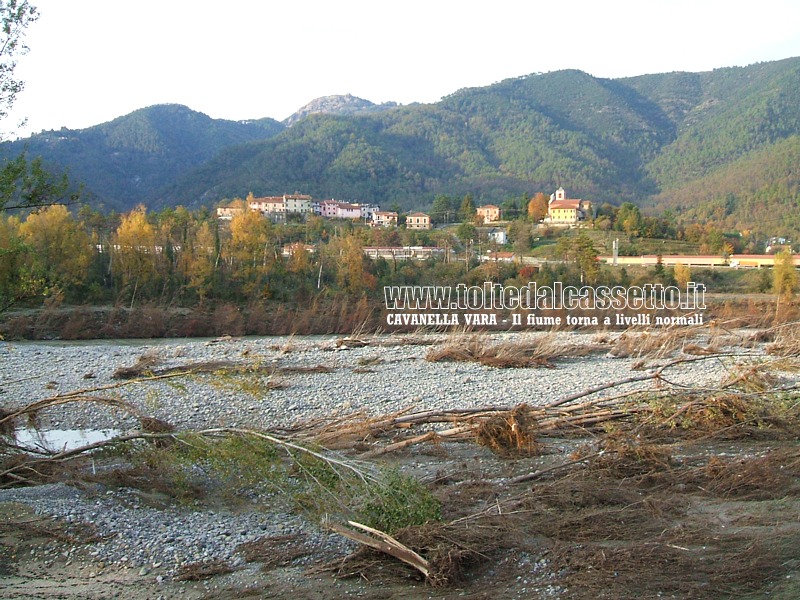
(718, 145)
(128, 160)
(713, 146)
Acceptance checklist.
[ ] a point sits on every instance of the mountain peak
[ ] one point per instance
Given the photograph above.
(346, 104)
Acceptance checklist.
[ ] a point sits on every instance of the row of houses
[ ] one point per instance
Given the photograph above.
(277, 208)
(561, 210)
(374, 252)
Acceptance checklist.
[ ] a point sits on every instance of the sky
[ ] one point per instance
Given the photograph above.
(91, 61)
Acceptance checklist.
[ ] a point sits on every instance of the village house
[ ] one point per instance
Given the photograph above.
(383, 218)
(292, 249)
(335, 209)
(268, 205)
(489, 212)
(277, 208)
(226, 213)
(345, 210)
(405, 252)
(499, 257)
(298, 204)
(566, 211)
(418, 220)
(367, 210)
(499, 236)
(327, 208)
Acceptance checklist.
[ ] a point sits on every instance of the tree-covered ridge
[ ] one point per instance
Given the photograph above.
(125, 161)
(759, 191)
(740, 110)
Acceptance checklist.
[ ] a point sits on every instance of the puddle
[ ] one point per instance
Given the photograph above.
(57, 440)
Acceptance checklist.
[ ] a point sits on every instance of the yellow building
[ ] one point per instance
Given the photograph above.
(566, 211)
(418, 220)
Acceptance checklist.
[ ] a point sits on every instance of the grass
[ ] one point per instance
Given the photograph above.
(193, 466)
(523, 352)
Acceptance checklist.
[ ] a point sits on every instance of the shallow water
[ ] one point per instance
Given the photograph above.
(58, 440)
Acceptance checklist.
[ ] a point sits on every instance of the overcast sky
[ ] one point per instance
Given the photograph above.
(91, 61)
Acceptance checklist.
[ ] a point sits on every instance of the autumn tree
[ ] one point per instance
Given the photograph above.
(784, 276)
(683, 275)
(199, 260)
(348, 254)
(23, 183)
(629, 219)
(538, 207)
(252, 253)
(134, 250)
(60, 249)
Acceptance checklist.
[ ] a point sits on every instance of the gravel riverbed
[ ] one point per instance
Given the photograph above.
(382, 377)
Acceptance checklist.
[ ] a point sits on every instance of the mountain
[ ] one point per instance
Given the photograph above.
(713, 147)
(668, 141)
(128, 160)
(337, 105)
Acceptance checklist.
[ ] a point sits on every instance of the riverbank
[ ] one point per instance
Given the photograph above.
(97, 538)
(337, 316)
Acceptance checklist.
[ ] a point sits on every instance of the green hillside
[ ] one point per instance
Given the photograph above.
(127, 160)
(715, 146)
(684, 141)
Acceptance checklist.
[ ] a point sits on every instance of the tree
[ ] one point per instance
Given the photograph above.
(442, 209)
(538, 207)
(466, 232)
(23, 183)
(15, 16)
(519, 234)
(134, 251)
(252, 252)
(784, 276)
(629, 219)
(200, 258)
(467, 210)
(683, 275)
(580, 252)
(15, 282)
(60, 248)
(351, 272)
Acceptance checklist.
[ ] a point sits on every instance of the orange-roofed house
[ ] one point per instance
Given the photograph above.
(489, 212)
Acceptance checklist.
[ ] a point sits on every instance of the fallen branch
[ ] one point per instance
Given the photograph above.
(382, 542)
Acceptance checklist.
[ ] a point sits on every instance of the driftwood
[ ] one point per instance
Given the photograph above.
(382, 542)
(590, 409)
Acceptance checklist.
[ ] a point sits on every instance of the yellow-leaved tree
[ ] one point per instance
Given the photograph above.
(251, 252)
(59, 249)
(134, 251)
(784, 276)
(199, 260)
